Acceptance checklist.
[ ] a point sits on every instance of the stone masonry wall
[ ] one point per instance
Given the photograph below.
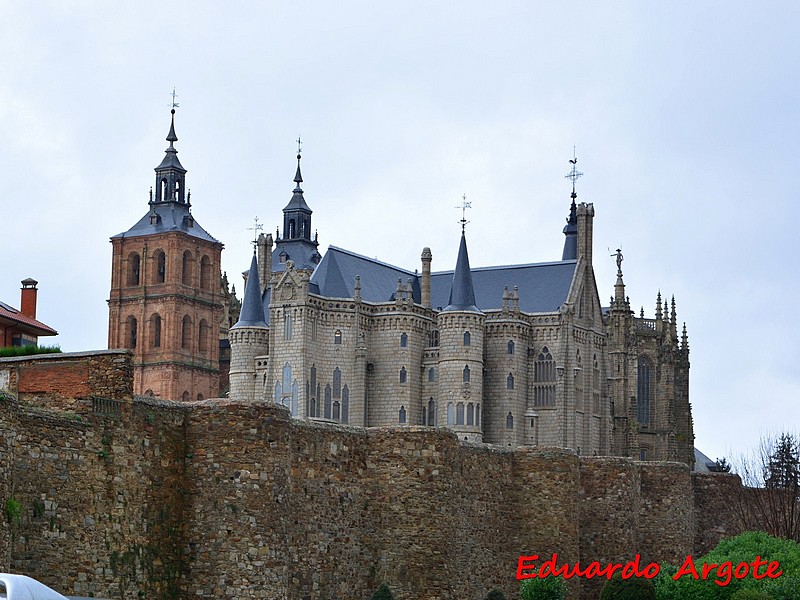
(238, 500)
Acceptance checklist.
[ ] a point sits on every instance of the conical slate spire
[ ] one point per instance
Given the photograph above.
(298, 178)
(252, 313)
(462, 293)
(171, 137)
(571, 232)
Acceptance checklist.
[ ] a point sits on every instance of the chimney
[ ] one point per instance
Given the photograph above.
(425, 285)
(28, 298)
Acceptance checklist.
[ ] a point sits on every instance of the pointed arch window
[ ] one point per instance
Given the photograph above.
(467, 338)
(509, 421)
(431, 375)
(644, 390)
(510, 382)
(287, 326)
(580, 392)
(431, 412)
(403, 340)
(451, 414)
(337, 383)
(544, 379)
(345, 404)
(403, 375)
(327, 406)
(470, 413)
(337, 337)
(402, 415)
(510, 347)
(433, 338)
(477, 415)
(595, 385)
(465, 374)
(460, 413)
(287, 389)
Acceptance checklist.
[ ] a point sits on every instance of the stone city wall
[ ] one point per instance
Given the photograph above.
(238, 500)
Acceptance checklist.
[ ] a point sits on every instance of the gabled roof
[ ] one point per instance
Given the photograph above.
(11, 316)
(543, 287)
(174, 216)
(336, 274)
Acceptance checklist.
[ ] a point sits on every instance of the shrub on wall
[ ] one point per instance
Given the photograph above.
(634, 588)
(27, 350)
(743, 548)
(382, 593)
(550, 588)
(751, 594)
(495, 594)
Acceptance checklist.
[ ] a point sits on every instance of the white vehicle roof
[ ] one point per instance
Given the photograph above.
(22, 587)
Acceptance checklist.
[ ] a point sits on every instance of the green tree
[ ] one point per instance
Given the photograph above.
(635, 588)
(549, 588)
(495, 594)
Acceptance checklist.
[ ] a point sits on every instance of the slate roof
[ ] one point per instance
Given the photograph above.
(11, 316)
(174, 217)
(543, 287)
(303, 253)
(252, 313)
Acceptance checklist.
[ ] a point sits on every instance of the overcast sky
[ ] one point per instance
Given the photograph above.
(684, 114)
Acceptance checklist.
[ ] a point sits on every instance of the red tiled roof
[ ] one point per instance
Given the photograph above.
(12, 316)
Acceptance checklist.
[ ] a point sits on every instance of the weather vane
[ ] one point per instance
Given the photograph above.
(174, 95)
(255, 229)
(574, 174)
(464, 206)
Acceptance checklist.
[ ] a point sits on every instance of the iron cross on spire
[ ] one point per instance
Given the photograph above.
(574, 174)
(174, 96)
(255, 229)
(464, 206)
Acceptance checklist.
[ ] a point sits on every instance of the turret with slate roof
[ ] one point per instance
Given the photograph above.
(249, 338)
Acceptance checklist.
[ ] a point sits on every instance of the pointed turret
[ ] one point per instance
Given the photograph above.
(684, 340)
(252, 314)
(462, 292)
(674, 321)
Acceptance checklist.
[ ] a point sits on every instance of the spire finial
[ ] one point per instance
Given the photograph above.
(464, 206)
(255, 229)
(574, 174)
(298, 178)
(171, 137)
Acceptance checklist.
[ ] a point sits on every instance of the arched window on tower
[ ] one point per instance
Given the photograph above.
(134, 268)
(164, 190)
(431, 412)
(186, 332)
(580, 391)
(544, 379)
(131, 332)
(460, 413)
(470, 413)
(431, 375)
(510, 347)
(403, 374)
(403, 340)
(205, 273)
(337, 337)
(155, 331)
(287, 325)
(595, 385)
(186, 268)
(510, 382)
(203, 335)
(465, 374)
(451, 414)
(160, 271)
(291, 229)
(644, 390)
(402, 416)
(509, 421)
(467, 338)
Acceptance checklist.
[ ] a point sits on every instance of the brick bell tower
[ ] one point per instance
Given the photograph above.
(166, 302)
